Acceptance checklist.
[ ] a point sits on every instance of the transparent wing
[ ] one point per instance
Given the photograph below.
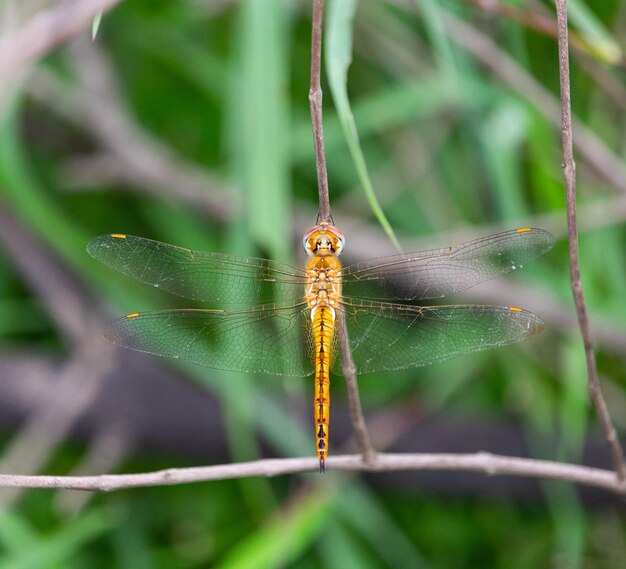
(439, 272)
(265, 339)
(198, 275)
(387, 336)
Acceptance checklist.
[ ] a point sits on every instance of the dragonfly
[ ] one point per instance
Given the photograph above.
(275, 318)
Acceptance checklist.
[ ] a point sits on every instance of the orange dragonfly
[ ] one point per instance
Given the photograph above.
(283, 318)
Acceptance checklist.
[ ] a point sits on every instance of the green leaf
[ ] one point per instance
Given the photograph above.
(338, 50)
(95, 25)
(597, 37)
(260, 116)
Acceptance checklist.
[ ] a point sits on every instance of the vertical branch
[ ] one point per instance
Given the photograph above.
(354, 401)
(315, 100)
(569, 175)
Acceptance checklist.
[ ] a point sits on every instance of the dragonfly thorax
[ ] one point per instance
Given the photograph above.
(323, 239)
(323, 286)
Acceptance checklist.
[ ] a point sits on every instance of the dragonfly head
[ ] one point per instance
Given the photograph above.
(323, 239)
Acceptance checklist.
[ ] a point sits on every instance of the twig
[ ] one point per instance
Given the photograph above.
(354, 400)
(485, 463)
(45, 31)
(569, 175)
(315, 102)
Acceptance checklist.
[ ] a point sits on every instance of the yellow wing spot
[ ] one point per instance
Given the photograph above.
(523, 229)
(118, 236)
(133, 315)
(515, 309)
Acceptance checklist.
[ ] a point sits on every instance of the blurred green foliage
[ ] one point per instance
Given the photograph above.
(447, 146)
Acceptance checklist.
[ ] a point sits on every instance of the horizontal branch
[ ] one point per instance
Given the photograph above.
(482, 463)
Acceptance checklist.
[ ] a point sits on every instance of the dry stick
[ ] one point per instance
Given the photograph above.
(354, 401)
(482, 462)
(315, 100)
(569, 175)
(56, 412)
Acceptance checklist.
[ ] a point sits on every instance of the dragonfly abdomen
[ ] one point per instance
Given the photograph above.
(323, 327)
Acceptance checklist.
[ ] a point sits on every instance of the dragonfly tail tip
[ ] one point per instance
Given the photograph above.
(322, 466)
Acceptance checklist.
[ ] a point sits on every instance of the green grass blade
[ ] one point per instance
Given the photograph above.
(597, 37)
(360, 508)
(261, 117)
(338, 57)
(95, 25)
(340, 548)
(284, 538)
(57, 550)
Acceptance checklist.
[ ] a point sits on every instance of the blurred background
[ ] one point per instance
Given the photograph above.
(188, 122)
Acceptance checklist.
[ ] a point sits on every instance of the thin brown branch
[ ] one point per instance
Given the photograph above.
(484, 463)
(354, 400)
(315, 102)
(569, 175)
(45, 31)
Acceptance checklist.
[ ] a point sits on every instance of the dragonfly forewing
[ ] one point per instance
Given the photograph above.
(440, 272)
(198, 275)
